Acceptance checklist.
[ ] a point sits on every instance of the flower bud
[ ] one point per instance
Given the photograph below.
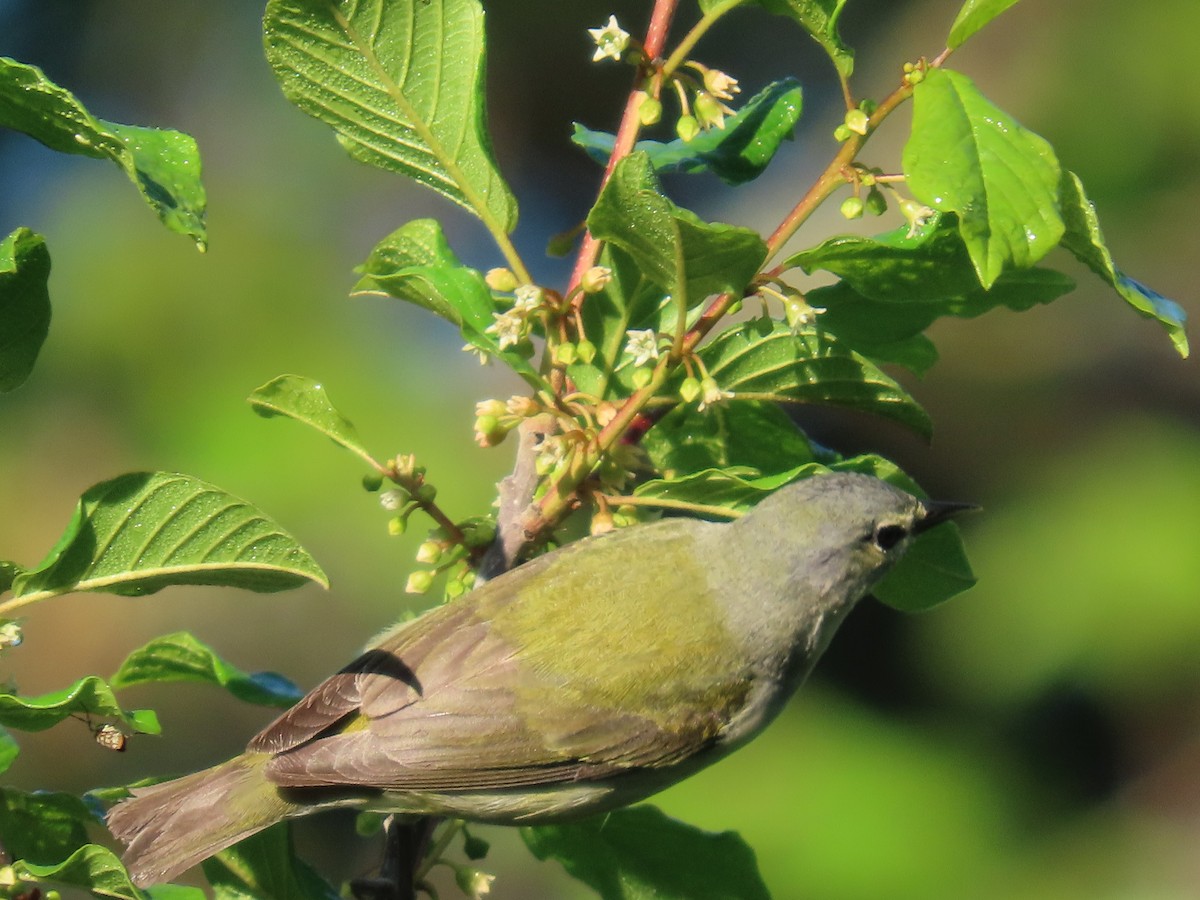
(372, 482)
(473, 883)
(852, 207)
(426, 493)
(586, 351)
(876, 203)
(842, 133)
(687, 127)
(419, 582)
(475, 847)
(857, 121)
(397, 525)
(689, 390)
(429, 553)
(650, 110)
(392, 500)
(502, 280)
(595, 279)
(564, 354)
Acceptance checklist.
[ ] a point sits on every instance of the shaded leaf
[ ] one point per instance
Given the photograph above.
(688, 258)
(402, 83)
(42, 827)
(764, 360)
(88, 698)
(967, 156)
(736, 154)
(265, 867)
(165, 165)
(180, 657)
(972, 17)
(9, 750)
(93, 868)
(817, 17)
(141, 532)
(304, 399)
(1085, 240)
(24, 305)
(640, 853)
(750, 433)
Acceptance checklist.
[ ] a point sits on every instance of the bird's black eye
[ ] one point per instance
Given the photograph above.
(888, 536)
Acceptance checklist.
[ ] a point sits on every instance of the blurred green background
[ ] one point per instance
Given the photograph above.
(1037, 737)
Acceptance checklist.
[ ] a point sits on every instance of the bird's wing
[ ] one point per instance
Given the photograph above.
(450, 702)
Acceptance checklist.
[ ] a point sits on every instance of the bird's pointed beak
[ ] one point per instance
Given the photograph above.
(938, 511)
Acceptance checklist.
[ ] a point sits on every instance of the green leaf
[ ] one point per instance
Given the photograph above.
(141, 532)
(750, 434)
(402, 83)
(1085, 240)
(639, 854)
(9, 750)
(973, 16)
(736, 489)
(42, 827)
(818, 18)
(24, 305)
(165, 165)
(304, 399)
(689, 259)
(764, 360)
(416, 264)
(265, 867)
(93, 868)
(89, 698)
(968, 156)
(736, 154)
(630, 300)
(180, 657)
(935, 568)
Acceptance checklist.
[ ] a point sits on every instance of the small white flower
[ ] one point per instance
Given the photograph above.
(527, 298)
(508, 328)
(642, 346)
(721, 85)
(10, 634)
(610, 39)
(484, 359)
(711, 394)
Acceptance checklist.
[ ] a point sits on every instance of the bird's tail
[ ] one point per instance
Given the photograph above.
(170, 827)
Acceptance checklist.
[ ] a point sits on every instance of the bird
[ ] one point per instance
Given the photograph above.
(581, 681)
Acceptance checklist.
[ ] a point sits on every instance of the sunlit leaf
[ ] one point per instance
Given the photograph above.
(1085, 240)
(765, 360)
(93, 868)
(89, 698)
(415, 263)
(165, 165)
(180, 657)
(688, 258)
(737, 153)
(969, 157)
(972, 17)
(641, 854)
(141, 532)
(304, 399)
(402, 83)
(24, 304)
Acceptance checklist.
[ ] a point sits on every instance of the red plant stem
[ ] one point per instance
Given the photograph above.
(656, 38)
